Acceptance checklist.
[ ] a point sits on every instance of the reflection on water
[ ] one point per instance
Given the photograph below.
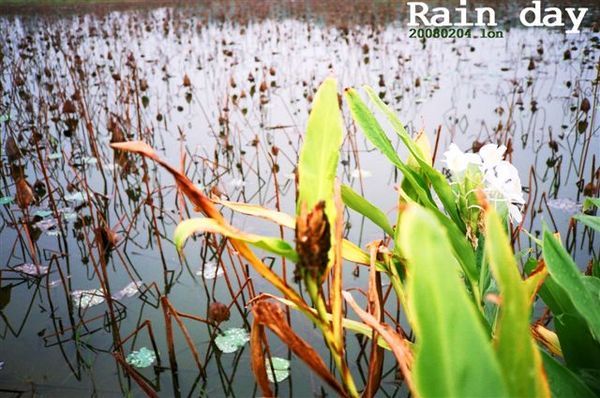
(226, 100)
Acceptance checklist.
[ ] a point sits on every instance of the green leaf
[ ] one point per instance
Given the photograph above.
(565, 273)
(359, 204)
(591, 221)
(280, 370)
(274, 245)
(453, 354)
(438, 181)
(589, 202)
(563, 382)
(373, 131)
(320, 152)
(517, 352)
(232, 340)
(580, 351)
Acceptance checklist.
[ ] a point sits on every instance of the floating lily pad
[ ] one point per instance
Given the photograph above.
(141, 358)
(280, 370)
(6, 200)
(89, 160)
(87, 298)
(232, 340)
(32, 269)
(210, 271)
(128, 291)
(75, 197)
(42, 213)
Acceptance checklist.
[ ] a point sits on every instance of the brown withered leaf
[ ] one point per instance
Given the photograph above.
(257, 337)
(313, 241)
(12, 149)
(270, 315)
(398, 344)
(204, 204)
(25, 196)
(186, 81)
(374, 297)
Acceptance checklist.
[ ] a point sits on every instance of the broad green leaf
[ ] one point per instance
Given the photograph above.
(232, 340)
(274, 245)
(453, 354)
(591, 221)
(438, 181)
(565, 273)
(516, 349)
(563, 382)
(580, 351)
(359, 204)
(589, 202)
(318, 162)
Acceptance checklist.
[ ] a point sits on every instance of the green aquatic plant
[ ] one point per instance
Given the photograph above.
(447, 257)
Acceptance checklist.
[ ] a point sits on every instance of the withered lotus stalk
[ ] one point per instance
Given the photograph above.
(313, 241)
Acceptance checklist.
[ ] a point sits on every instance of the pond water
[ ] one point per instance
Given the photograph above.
(224, 93)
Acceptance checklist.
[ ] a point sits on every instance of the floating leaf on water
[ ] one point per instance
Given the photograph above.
(87, 298)
(280, 370)
(42, 213)
(360, 173)
(237, 183)
(564, 204)
(47, 224)
(141, 358)
(32, 269)
(55, 156)
(210, 270)
(6, 200)
(232, 340)
(130, 290)
(75, 197)
(89, 160)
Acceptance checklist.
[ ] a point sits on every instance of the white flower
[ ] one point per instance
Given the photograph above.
(491, 154)
(458, 161)
(502, 183)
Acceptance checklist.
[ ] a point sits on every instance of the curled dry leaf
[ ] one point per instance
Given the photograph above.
(257, 338)
(271, 316)
(398, 345)
(25, 196)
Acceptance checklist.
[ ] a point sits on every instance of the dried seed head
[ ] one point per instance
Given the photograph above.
(218, 312)
(313, 241)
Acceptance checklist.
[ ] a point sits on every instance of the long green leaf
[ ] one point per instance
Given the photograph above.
(580, 351)
(438, 181)
(453, 355)
(563, 382)
(591, 221)
(320, 152)
(565, 273)
(517, 352)
(274, 245)
(373, 131)
(361, 205)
